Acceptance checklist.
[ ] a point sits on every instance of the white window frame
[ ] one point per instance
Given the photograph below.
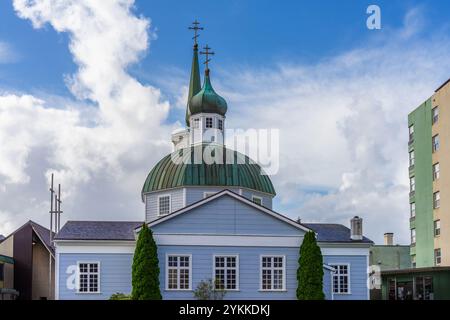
(88, 273)
(435, 115)
(436, 227)
(226, 268)
(411, 132)
(412, 184)
(336, 274)
(412, 212)
(220, 124)
(196, 123)
(412, 158)
(436, 173)
(436, 200)
(434, 144)
(178, 273)
(170, 204)
(206, 122)
(271, 268)
(208, 194)
(257, 197)
(413, 237)
(436, 256)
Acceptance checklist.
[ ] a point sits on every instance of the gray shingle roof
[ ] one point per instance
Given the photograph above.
(44, 235)
(98, 230)
(328, 232)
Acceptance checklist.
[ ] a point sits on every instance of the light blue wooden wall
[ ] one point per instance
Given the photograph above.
(225, 215)
(358, 276)
(115, 275)
(249, 271)
(151, 202)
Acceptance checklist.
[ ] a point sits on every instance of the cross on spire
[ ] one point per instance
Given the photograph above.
(207, 53)
(196, 28)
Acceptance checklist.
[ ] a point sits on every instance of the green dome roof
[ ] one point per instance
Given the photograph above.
(173, 171)
(207, 100)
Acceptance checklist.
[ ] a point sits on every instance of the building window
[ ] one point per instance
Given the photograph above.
(257, 200)
(272, 273)
(88, 277)
(341, 279)
(413, 261)
(413, 209)
(411, 159)
(220, 124)
(164, 205)
(178, 272)
(437, 228)
(209, 123)
(2, 272)
(436, 171)
(435, 114)
(412, 184)
(208, 194)
(436, 200)
(437, 256)
(411, 133)
(435, 142)
(413, 236)
(196, 123)
(423, 288)
(226, 272)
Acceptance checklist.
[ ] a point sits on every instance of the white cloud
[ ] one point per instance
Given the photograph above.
(100, 159)
(343, 126)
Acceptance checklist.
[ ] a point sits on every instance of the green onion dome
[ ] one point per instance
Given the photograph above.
(182, 169)
(207, 100)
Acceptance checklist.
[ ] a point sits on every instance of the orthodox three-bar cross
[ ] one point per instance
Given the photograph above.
(196, 28)
(207, 53)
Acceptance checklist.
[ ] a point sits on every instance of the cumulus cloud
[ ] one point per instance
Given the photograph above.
(343, 126)
(115, 146)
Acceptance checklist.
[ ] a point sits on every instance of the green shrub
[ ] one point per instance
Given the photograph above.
(145, 270)
(207, 291)
(120, 296)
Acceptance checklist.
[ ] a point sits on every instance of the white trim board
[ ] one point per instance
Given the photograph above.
(235, 196)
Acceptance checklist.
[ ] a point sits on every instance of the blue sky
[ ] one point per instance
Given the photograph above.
(254, 33)
(92, 90)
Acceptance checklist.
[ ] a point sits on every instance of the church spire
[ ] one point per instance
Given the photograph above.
(194, 84)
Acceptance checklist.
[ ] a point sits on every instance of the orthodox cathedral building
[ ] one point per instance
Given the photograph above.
(210, 221)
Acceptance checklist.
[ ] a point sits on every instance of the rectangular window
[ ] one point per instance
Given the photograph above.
(226, 272)
(220, 124)
(435, 142)
(178, 272)
(436, 171)
(88, 277)
(436, 200)
(209, 123)
(196, 124)
(437, 256)
(272, 273)
(164, 205)
(341, 278)
(257, 200)
(413, 209)
(413, 261)
(435, 114)
(411, 133)
(412, 184)
(413, 236)
(411, 158)
(2, 272)
(437, 228)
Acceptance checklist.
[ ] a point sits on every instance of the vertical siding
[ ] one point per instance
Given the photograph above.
(151, 202)
(358, 276)
(226, 215)
(115, 275)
